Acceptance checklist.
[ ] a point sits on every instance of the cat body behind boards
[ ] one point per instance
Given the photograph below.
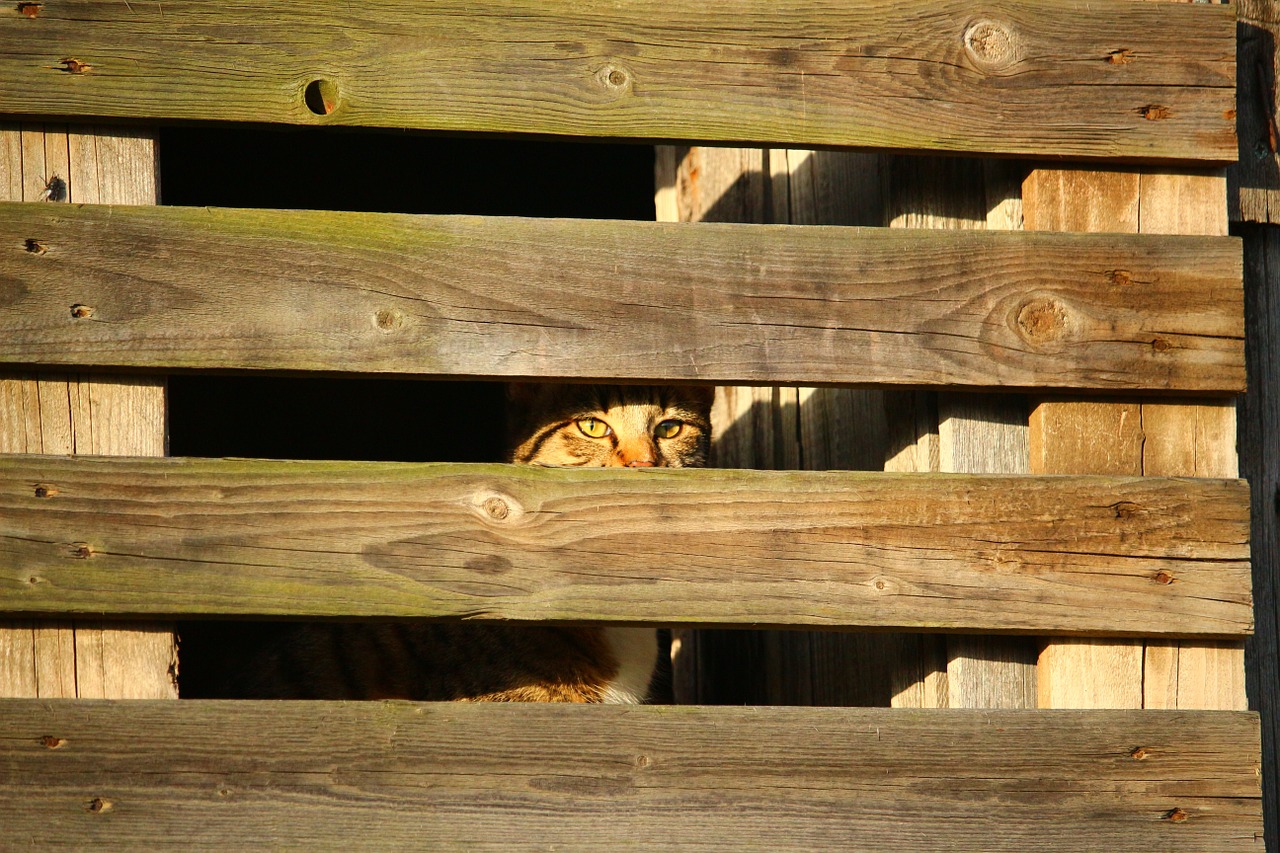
(551, 425)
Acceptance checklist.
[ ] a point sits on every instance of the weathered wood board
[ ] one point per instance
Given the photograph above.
(222, 775)
(1082, 78)
(196, 288)
(74, 413)
(1095, 555)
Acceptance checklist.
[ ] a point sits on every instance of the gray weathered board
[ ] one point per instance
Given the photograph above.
(1080, 78)
(1093, 555)
(323, 775)
(196, 288)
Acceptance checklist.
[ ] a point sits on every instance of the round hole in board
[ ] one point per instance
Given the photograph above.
(321, 96)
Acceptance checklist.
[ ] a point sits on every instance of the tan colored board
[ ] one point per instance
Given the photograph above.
(82, 414)
(1120, 556)
(1080, 78)
(200, 775)
(958, 432)
(203, 288)
(1190, 439)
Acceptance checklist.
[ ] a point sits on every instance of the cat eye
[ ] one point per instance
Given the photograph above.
(668, 429)
(594, 428)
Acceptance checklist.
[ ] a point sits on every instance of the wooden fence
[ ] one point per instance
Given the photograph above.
(1138, 575)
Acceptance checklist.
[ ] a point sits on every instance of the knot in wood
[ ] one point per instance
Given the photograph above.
(80, 550)
(1138, 753)
(1041, 320)
(1162, 577)
(614, 78)
(1176, 815)
(1155, 112)
(51, 742)
(44, 490)
(35, 247)
(388, 319)
(81, 312)
(881, 584)
(992, 46)
(495, 506)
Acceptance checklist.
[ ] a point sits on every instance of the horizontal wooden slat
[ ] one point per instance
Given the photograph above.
(1081, 78)
(185, 288)
(225, 775)
(1095, 555)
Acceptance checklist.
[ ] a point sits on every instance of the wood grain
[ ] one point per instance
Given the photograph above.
(1191, 438)
(1121, 556)
(82, 414)
(198, 775)
(185, 288)
(1081, 78)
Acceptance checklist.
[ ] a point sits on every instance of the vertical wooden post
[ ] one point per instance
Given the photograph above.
(973, 433)
(1192, 438)
(809, 428)
(1253, 201)
(61, 414)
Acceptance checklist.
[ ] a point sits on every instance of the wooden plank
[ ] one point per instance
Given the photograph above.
(1080, 78)
(787, 428)
(1123, 556)
(1254, 180)
(82, 414)
(986, 434)
(1260, 462)
(222, 774)
(734, 667)
(959, 432)
(1190, 438)
(171, 288)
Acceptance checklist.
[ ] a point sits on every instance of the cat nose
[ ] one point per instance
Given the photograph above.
(636, 454)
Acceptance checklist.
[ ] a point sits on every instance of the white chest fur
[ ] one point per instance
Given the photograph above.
(637, 652)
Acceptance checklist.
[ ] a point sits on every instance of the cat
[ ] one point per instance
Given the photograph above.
(548, 425)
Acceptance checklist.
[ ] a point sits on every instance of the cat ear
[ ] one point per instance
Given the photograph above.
(702, 396)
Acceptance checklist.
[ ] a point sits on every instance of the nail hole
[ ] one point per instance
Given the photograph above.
(98, 805)
(321, 97)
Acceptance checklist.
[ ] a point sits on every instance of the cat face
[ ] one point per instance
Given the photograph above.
(634, 426)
